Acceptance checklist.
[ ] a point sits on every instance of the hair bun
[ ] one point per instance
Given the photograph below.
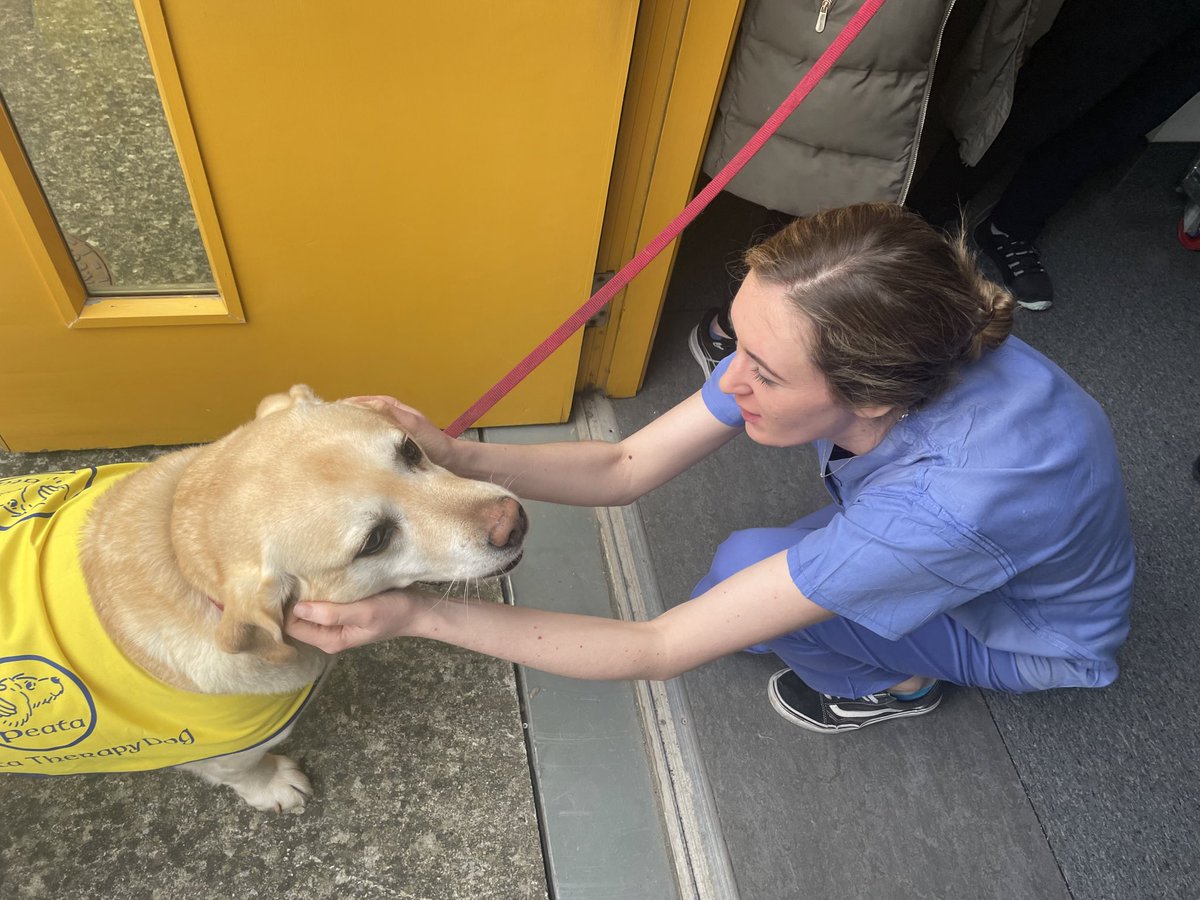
(995, 302)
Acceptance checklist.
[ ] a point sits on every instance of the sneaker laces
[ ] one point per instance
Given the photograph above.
(1020, 257)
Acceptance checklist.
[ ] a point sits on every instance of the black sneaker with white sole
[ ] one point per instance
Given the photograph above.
(1019, 263)
(706, 349)
(824, 713)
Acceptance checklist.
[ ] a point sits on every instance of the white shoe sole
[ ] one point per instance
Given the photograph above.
(699, 355)
(1034, 305)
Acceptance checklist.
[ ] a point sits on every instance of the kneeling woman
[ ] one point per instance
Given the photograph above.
(978, 536)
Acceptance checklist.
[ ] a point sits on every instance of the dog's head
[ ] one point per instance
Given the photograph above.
(327, 501)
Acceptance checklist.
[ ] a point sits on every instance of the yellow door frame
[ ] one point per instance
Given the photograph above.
(680, 55)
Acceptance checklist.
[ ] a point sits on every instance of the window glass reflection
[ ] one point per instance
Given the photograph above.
(78, 85)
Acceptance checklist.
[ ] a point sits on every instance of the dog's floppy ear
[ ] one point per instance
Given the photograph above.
(252, 619)
(299, 393)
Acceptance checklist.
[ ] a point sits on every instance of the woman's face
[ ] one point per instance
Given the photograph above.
(783, 396)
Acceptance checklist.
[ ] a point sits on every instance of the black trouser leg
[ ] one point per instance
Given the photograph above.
(1091, 49)
(1101, 137)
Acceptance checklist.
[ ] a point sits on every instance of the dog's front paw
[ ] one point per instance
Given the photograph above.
(280, 787)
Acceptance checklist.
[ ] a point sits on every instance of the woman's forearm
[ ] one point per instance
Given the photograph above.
(567, 644)
(757, 603)
(599, 473)
(584, 473)
(753, 605)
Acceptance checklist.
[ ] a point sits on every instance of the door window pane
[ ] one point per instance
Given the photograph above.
(78, 85)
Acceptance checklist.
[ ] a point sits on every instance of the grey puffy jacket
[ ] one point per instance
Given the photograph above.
(855, 137)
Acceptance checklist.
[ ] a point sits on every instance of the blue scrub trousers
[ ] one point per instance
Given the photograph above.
(845, 659)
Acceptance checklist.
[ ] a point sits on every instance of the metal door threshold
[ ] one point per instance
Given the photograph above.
(625, 804)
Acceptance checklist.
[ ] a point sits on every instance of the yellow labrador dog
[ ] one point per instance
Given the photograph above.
(143, 605)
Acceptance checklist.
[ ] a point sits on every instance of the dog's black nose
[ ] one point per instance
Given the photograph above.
(508, 524)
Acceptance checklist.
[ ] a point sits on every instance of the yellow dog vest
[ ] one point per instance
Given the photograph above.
(70, 701)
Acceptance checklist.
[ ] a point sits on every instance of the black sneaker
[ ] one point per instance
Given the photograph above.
(1019, 264)
(706, 349)
(801, 705)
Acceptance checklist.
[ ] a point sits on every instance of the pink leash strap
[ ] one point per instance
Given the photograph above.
(632, 268)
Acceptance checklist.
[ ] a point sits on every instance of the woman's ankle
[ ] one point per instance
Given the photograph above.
(914, 685)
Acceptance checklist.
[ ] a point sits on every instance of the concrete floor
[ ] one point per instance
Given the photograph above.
(417, 755)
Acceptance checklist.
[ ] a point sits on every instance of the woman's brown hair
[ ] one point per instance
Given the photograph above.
(896, 307)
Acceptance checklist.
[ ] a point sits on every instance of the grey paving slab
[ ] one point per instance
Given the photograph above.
(417, 756)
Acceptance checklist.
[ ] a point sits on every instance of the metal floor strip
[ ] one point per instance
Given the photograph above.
(701, 860)
(602, 824)
(625, 803)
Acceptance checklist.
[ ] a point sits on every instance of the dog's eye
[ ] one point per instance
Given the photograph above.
(377, 540)
(409, 453)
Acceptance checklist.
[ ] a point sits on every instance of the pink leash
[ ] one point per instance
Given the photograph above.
(632, 268)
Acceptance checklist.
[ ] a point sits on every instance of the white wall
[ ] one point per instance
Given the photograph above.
(1183, 126)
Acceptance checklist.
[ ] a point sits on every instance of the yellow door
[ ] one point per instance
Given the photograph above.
(388, 198)
(679, 60)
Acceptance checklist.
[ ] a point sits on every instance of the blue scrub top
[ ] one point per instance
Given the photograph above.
(999, 503)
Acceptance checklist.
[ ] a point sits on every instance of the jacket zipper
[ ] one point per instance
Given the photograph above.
(823, 14)
(912, 162)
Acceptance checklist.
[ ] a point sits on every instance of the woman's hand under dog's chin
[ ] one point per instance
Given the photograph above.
(334, 627)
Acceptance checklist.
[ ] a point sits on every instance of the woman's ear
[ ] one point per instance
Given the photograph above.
(876, 413)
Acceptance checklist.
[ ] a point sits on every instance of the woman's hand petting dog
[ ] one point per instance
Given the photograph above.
(438, 445)
(334, 627)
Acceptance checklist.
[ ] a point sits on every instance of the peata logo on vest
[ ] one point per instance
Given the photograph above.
(43, 706)
(37, 496)
(45, 709)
